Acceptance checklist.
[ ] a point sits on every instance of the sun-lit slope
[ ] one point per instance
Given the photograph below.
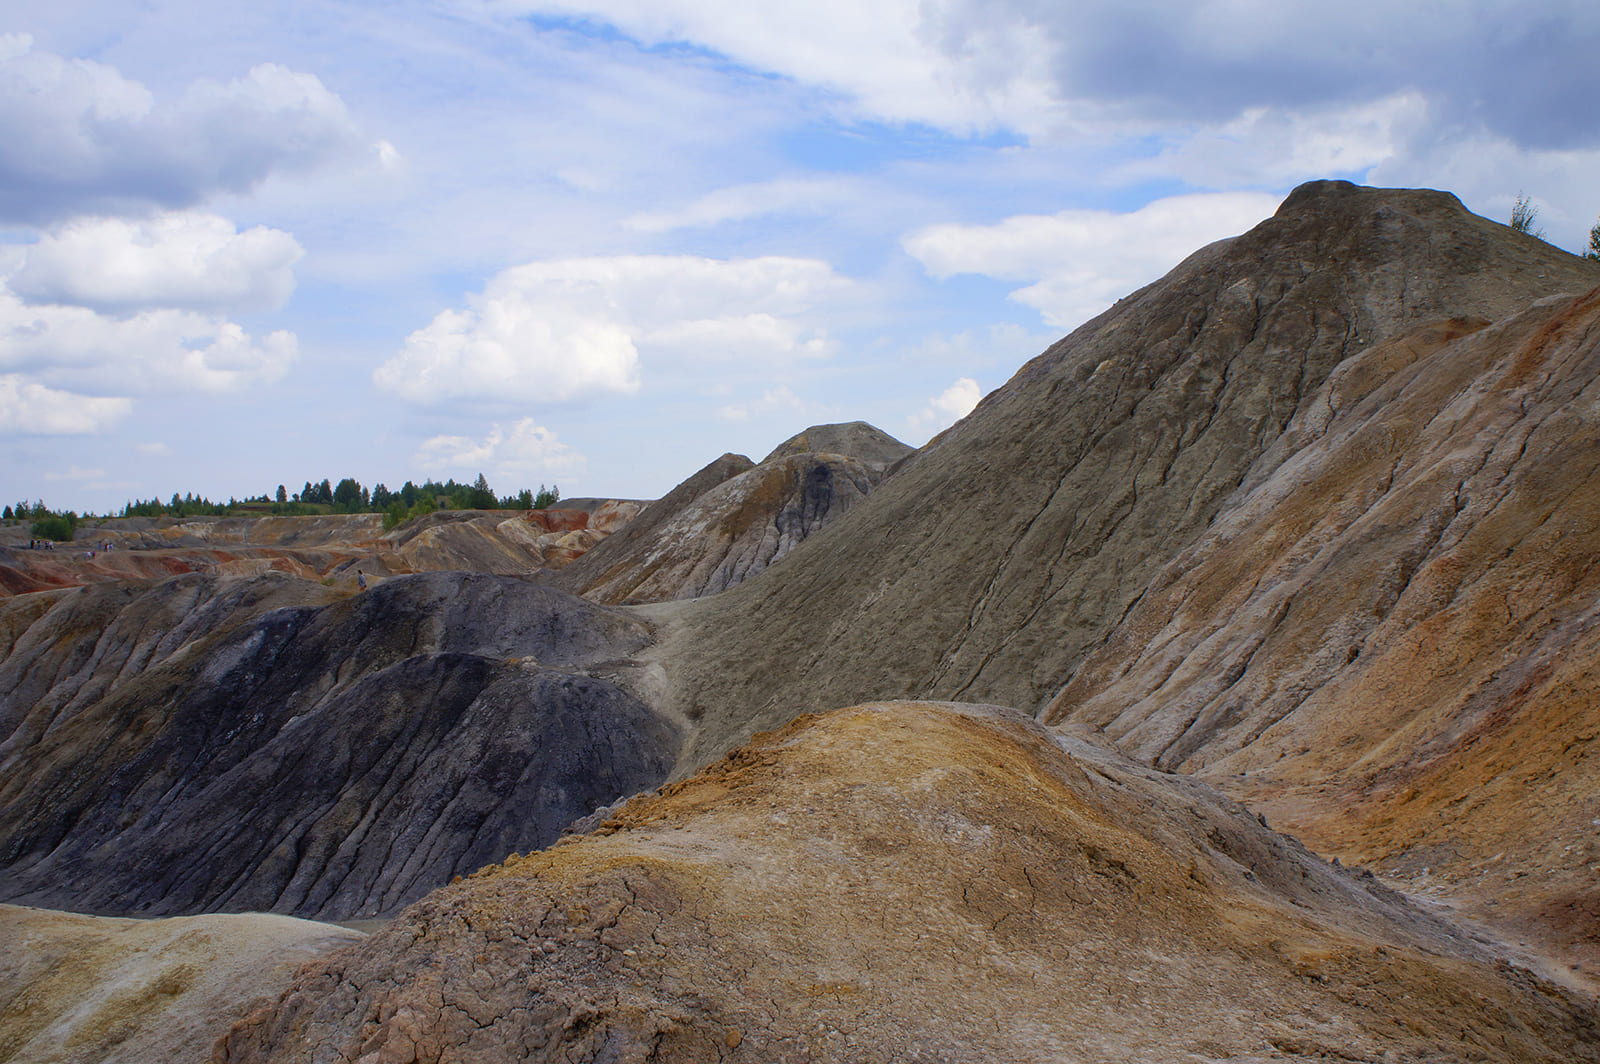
(1394, 633)
(918, 882)
(1009, 547)
(101, 990)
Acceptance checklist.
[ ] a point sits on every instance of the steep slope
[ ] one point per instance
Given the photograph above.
(918, 882)
(1011, 546)
(99, 990)
(1389, 639)
(184, 748)
(726, 524)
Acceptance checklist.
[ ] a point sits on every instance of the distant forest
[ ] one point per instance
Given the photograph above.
(348, 496)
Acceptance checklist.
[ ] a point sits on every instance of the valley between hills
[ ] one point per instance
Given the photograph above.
(1223, 687)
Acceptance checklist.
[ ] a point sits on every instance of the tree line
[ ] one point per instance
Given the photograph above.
(348, 496)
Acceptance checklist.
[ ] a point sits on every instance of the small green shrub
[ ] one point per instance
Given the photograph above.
(57, 527)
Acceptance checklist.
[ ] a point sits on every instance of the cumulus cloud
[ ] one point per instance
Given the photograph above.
(946, 408)
(576, 328)
(524, 450)
(76, 137)
(29, 408)
(180, 259)
(1080, 261)
(159, 350)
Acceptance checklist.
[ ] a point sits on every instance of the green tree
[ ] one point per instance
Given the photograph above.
(1594, 243)
(58, 527)
(546, 497)
(283, 496)
(481, 496)
(347, 496)
(1523, 215)
(7, 514)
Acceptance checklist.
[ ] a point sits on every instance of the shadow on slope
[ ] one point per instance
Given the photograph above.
(332, 759)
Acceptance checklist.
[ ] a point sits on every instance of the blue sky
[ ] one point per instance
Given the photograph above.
(596, 244)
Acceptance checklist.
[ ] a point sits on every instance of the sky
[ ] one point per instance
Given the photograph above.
(594, 244)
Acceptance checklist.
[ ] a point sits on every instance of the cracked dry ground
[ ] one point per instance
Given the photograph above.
(918, 882)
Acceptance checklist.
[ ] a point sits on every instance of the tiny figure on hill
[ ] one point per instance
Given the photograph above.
(361, 580)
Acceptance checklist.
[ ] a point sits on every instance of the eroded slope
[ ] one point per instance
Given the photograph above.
(1389, 641)
(1008, 548)
(918, 882)
(186, 748)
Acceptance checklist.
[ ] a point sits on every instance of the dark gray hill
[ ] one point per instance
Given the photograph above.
(1000, 554)
(181, 748)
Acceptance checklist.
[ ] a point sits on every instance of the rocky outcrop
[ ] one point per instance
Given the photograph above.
(732, 520)
(205, 746)
(918, 882)
(1004, 552)
(1387, 638)
(98, 990)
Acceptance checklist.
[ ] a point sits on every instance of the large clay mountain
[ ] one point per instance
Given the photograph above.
(1301, 535)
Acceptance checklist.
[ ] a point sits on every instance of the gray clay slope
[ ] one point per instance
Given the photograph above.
(715, 531)
(170, 749)
(999, 555)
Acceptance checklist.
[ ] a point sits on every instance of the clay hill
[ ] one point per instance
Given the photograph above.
(918, 882)
(733, 518)
(1305, 525)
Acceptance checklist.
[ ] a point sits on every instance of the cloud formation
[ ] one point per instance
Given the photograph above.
(29, 408)
(576, 328)
(946, 408)
(180, 259)
(149, 352)
(76, 137)
(1079, 262)
(525, 450)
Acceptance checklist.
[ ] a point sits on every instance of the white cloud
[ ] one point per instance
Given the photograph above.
(178, 259)
(28, 407)
(524, 451)
(1082, 261)
(740, 202)
(891, 59)
(155, 449)
(160, 350)
(77, 137)
(946, 408)
(1276, 146)
(575, 328)
(780, 400)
